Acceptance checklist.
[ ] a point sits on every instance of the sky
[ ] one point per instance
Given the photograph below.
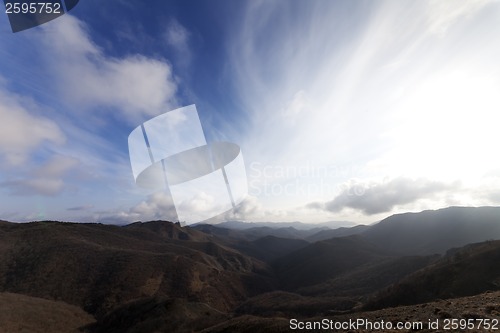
(343, 110)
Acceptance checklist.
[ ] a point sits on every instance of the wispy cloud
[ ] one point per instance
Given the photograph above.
(442, 14)
(80, 208)
(157, 206)
(332, 84)
(22, 131)
(48, 179)
(248, 209)
(178, 38)
(91, 94)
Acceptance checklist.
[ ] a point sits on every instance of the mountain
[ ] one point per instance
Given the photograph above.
(240, 225)
(324, 260)
(468, 271)
(287, 232)
(339, 232)
(436, 231)
(98, 267)
(254, 233)
(368, 278)
(164, 277)
(270, 248)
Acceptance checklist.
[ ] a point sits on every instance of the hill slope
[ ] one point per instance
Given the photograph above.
(436, 231)
(22, 313)
(324, 260)
(470, 270)
(98, 267)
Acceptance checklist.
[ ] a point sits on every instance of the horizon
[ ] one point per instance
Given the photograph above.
(344, 111)
(335, 224)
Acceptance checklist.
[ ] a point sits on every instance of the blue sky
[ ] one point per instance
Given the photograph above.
(344, 110)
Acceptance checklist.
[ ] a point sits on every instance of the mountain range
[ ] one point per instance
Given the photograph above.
(160, 276)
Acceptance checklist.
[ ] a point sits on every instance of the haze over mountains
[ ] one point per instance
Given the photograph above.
(161, 277)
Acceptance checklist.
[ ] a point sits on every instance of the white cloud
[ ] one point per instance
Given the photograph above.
(177, 37)
(442, 14)
(136, 86)
(39, 186)
(157, 206)
(248, 209)
(346, 77)
(46, 180)
(21, 131)
(57, 166)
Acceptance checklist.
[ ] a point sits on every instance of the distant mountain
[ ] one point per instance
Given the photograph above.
(324, 260)
(285, 232)
(254, 233)
(225, 235)
(269, 248)
(436, 231)
(468, 271)
(339, 232)
(240, 225)
(336, 224)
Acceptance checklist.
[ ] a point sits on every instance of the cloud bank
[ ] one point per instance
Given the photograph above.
(376, 198)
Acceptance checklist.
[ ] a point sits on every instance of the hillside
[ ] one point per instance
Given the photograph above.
(270, 248)
(98, 267)
(431, 232)
(483, 306)
(158, 315)
(470, 270)
(369, 278)
(22, 313)
(324, 260)
(162, 277)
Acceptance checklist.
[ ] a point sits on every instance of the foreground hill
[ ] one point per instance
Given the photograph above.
(483, 306)
(98, 267)
(470, 270)
(22, 313)
(158, 314)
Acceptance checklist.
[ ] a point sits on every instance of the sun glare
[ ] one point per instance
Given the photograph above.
(448, 128)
